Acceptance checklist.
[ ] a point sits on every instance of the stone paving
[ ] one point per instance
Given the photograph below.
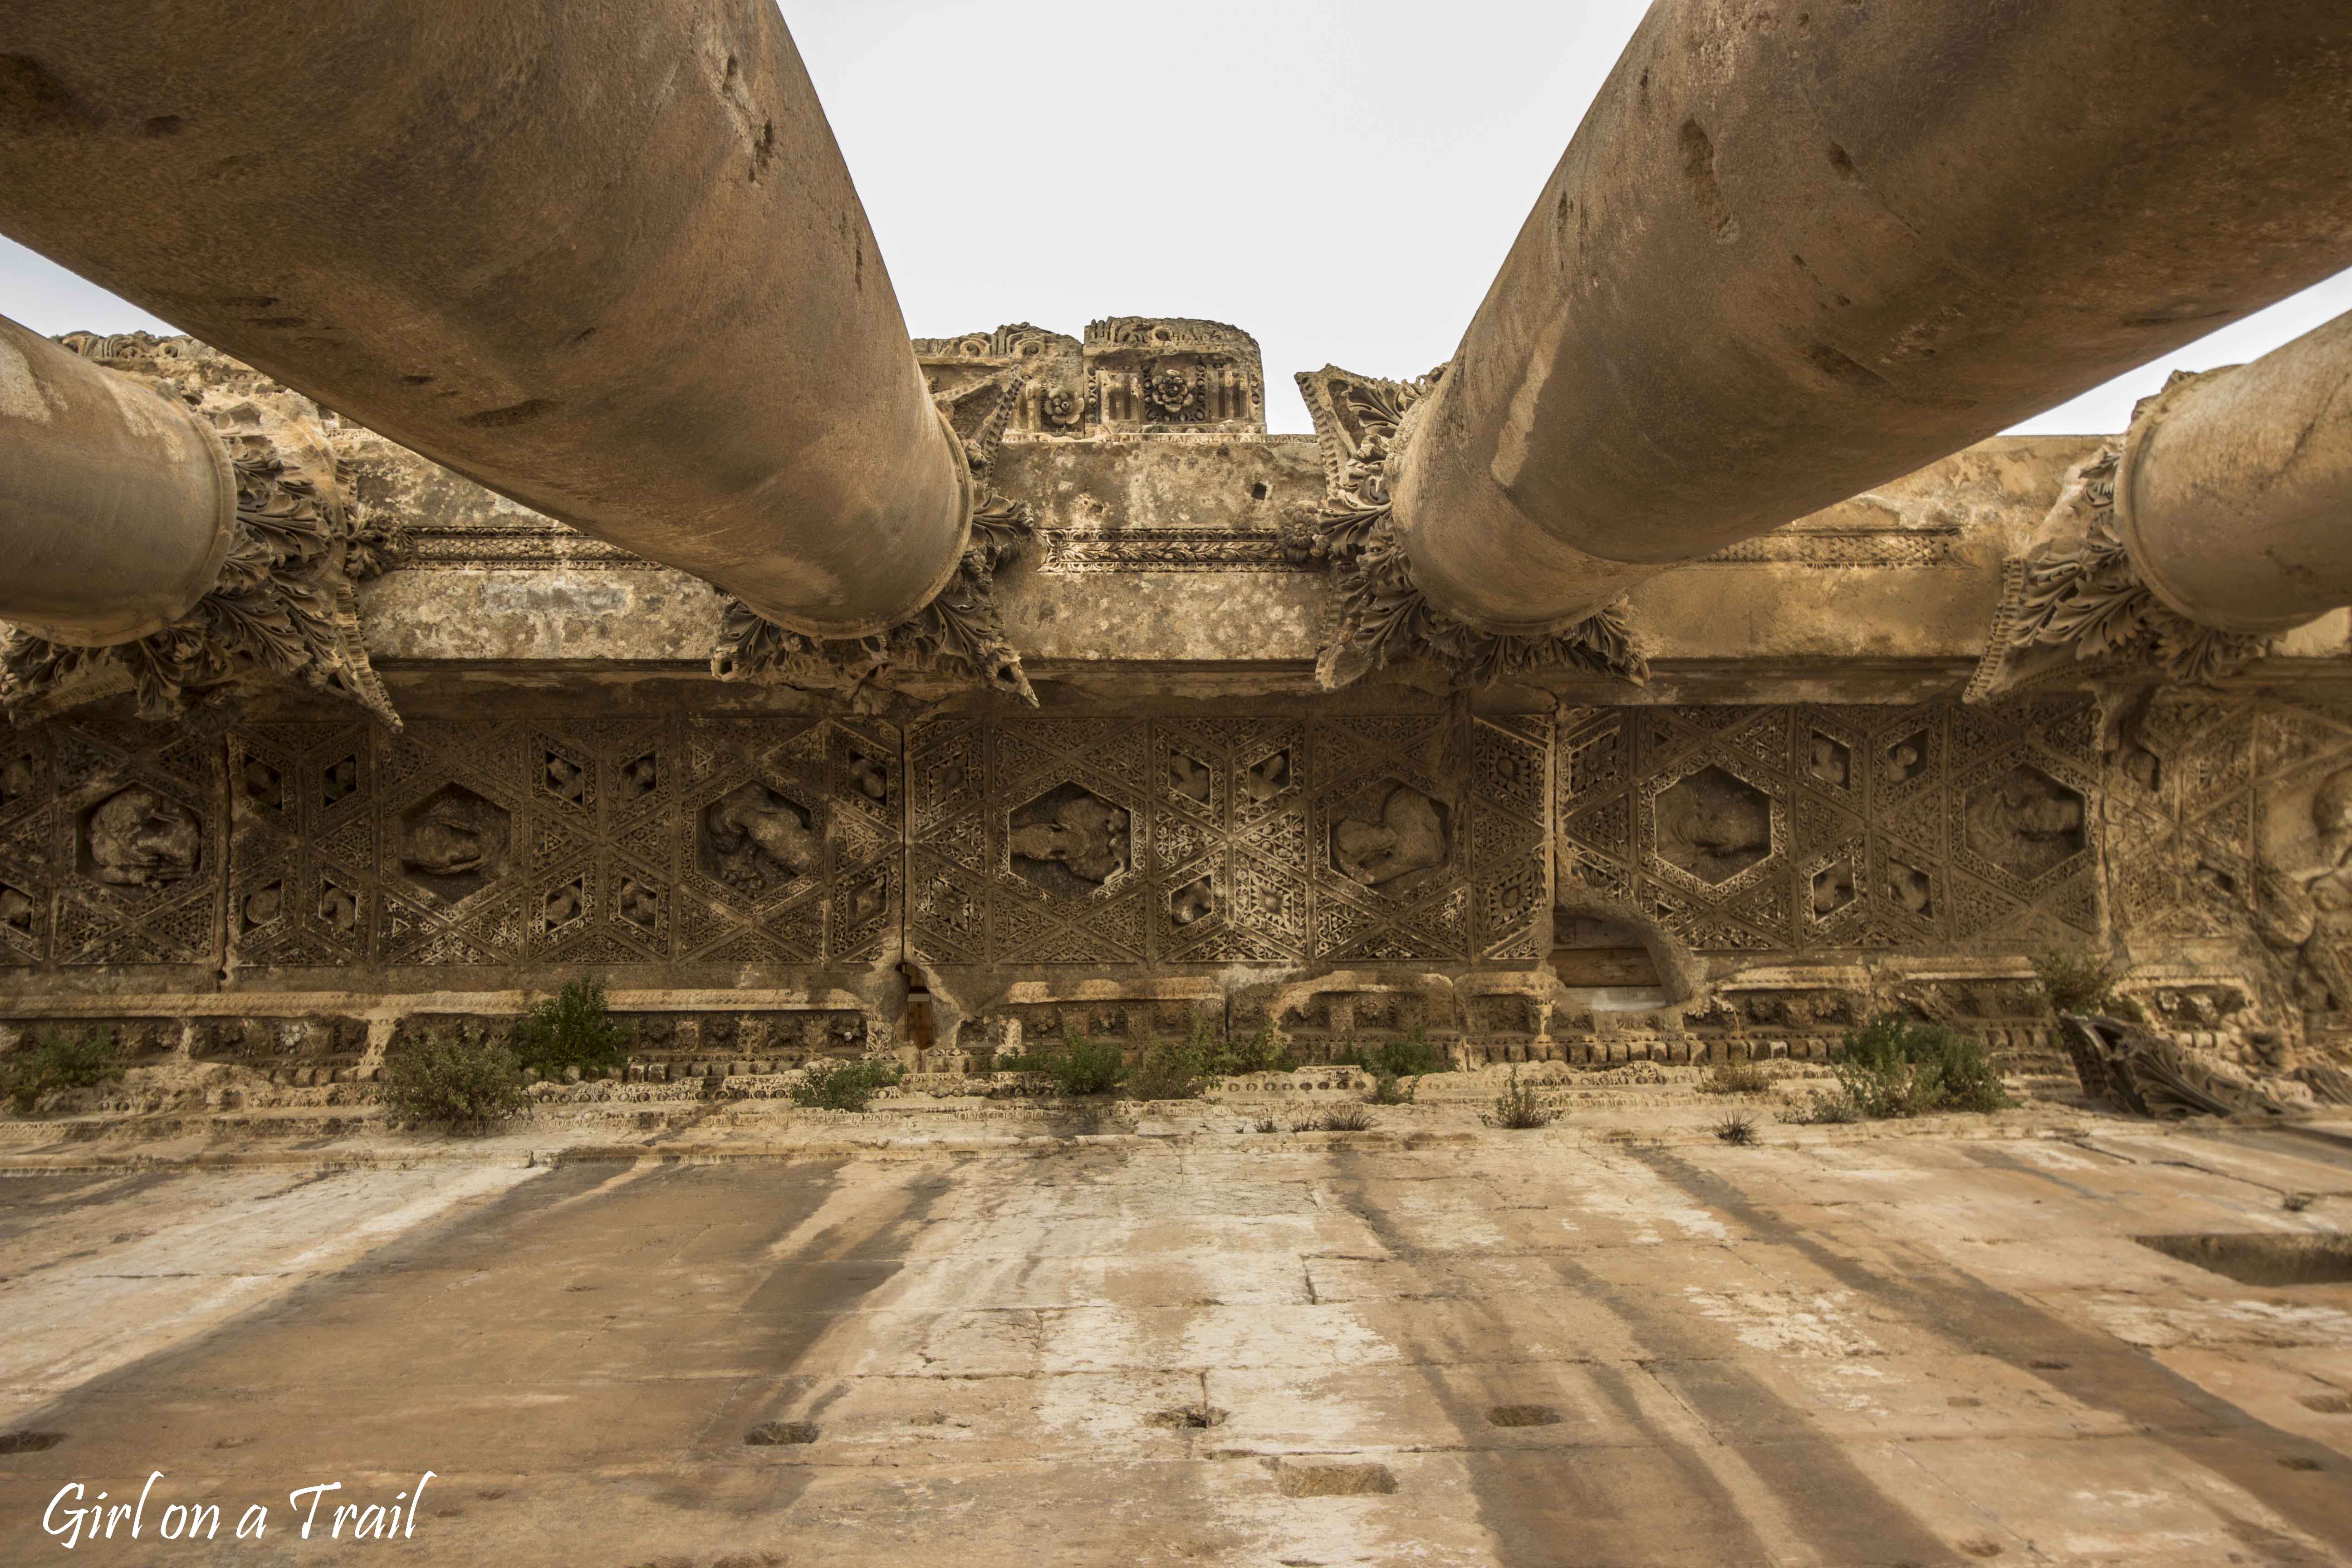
(1615, 1341)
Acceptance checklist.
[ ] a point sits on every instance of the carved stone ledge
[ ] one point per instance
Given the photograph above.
(284, 601)
(958, 637)
(1379, 614)
(2074, 607)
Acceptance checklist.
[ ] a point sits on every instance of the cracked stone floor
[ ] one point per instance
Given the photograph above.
(1483, 1347)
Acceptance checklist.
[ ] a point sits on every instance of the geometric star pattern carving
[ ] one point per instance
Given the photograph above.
(1794, 828)
(556, 841)
(1239, 834)
(55, 911)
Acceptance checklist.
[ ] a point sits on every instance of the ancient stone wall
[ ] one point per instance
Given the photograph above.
(1671, 881)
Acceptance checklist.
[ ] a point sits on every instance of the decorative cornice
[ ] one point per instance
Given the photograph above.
(958, 635)
(1379, 614)
(2074, 606)
(283, 602)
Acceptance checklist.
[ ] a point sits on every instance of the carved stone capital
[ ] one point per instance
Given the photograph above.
(1380, 614)
(284, 599)
(2074, 607)
(958, 637)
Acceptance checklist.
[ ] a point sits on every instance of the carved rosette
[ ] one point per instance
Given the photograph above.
(284, 603)
(1380, 614)
(958, 635)
(2073, 605)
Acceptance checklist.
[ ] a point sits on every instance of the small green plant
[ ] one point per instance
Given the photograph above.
(59, 1060)
(1899, 1066)
(1739, 1078)
(1820, 1110)
(1259, 1052)
(1408, 1057)
(465, 1080)
(1520, 1108)
(983, 1061)
(1339, 1118)
(571, 1029)
(1170, 1069)
(1265, 1124)
(1390, 1089)
(845, 1086)
(1736, 1130)
(2076, 981)
(1078, 1064)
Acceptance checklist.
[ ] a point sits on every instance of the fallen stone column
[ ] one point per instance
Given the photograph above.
(117, 503)
(1795, 252)
(2217, 523)
(604, 259)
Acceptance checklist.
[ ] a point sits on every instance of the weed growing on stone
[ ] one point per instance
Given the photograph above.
(465, 1080)
(1736, 1130)
(1078, 1064)
(1339, 1118)
(1408, 1058)
(1520, 1108)
(1820, 1110)
(60, 1060)
(2077, 981)
(844, 1086)
(1171, 1069)
(1894, 1067)
(1259, 1052)
(1390, 1089)
(571, 1029)
(1741, 1077)
(1265, 1124)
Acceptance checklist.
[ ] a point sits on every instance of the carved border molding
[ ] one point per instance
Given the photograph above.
(1380, 614)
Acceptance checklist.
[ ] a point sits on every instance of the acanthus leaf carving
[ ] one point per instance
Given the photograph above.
(1381, 613)
(2073, 605)
(959, 634)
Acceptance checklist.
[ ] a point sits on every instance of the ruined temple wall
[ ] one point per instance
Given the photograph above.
(759, 886)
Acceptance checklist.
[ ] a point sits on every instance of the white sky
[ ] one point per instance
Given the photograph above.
(1338, 178)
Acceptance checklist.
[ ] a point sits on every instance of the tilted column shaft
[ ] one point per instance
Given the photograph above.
(601, 258)
(1796, 251)
(117, 504)
(2234, 494)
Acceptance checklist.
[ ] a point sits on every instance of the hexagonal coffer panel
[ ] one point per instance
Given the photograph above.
(1409, 834)
(758, 840)
(454, 842)
(1714, 824)
(2025, 822)
(1069, 840)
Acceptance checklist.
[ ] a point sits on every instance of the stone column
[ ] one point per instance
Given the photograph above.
(1797, 251)
(2217, 523)
(603, 258)
(2233, 495)
(118, 504)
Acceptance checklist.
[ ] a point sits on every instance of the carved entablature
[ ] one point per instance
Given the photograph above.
(1164, 372)
(1796, 829)
(1235, 838)
(1049, 365)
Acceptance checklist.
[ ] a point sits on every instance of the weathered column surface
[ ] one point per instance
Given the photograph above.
(117, 504)
(2234, 492)
(1794, 251)
(601, 258)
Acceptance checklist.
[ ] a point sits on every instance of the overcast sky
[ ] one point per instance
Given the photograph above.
(1338, 178)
